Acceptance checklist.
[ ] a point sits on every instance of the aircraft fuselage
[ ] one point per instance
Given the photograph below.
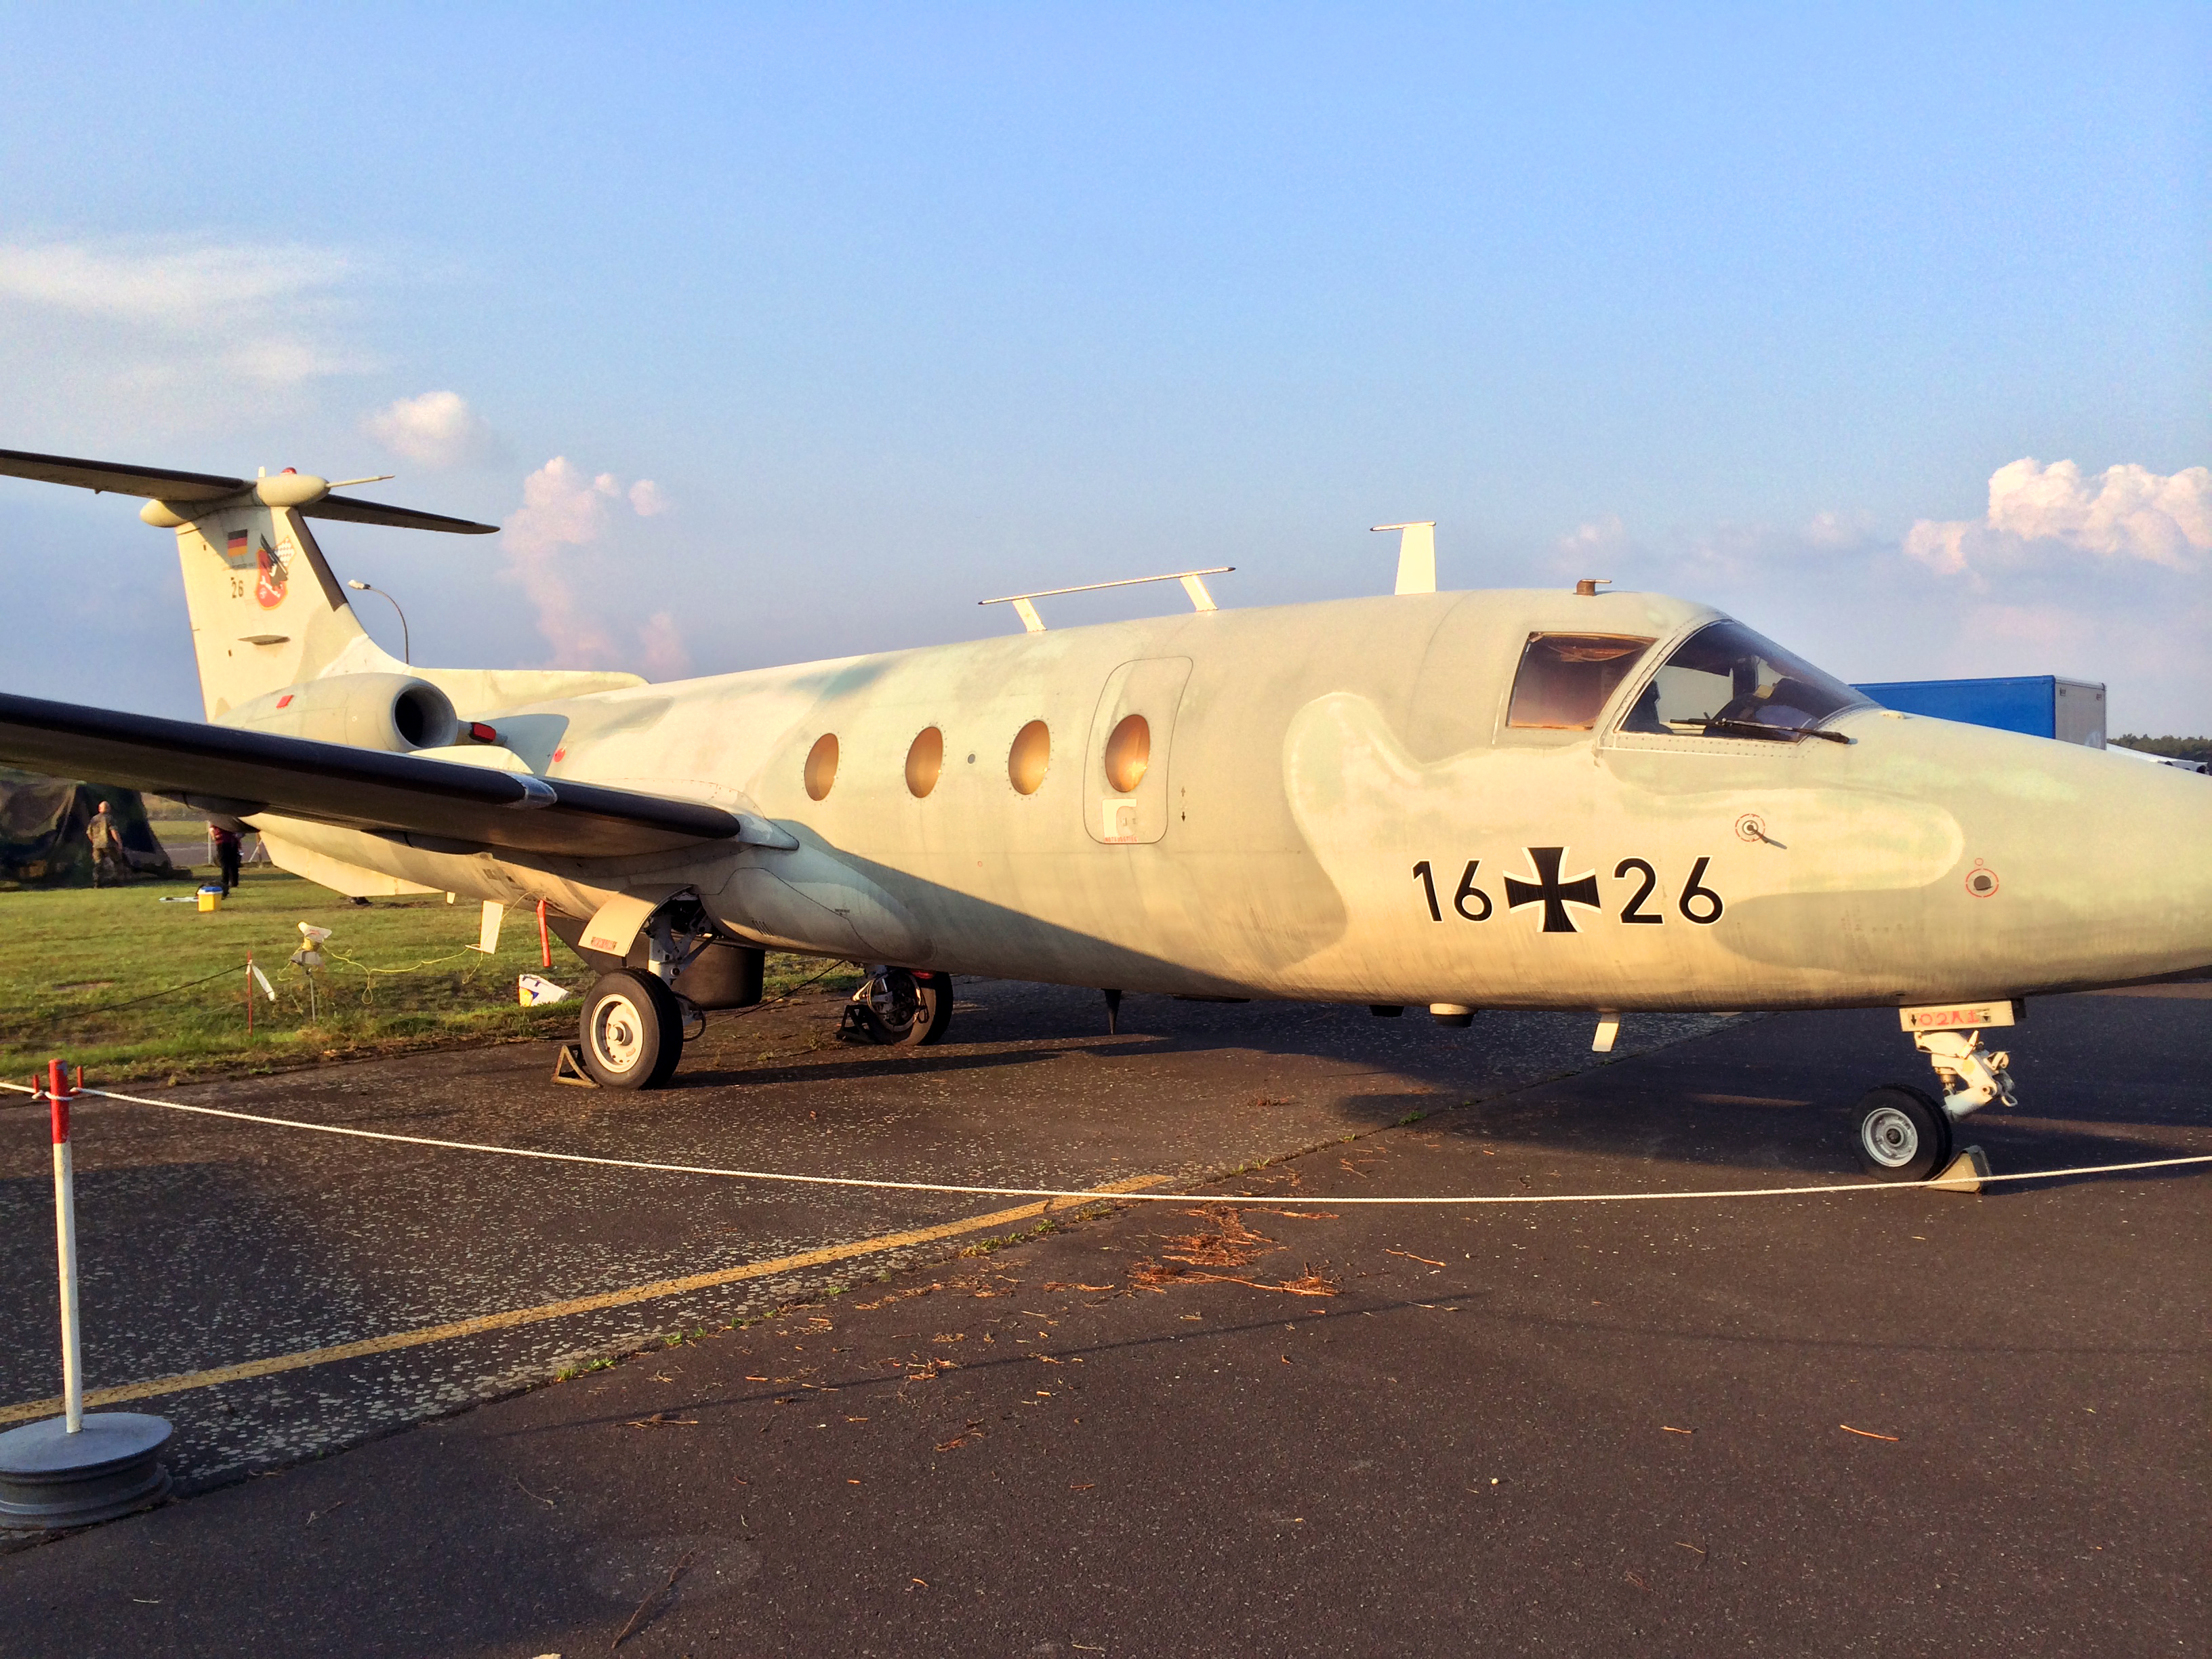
(1334, 806)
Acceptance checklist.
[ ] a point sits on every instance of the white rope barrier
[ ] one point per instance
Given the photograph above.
(1093, 1194)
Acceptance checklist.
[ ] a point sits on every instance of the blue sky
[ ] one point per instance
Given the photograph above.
(898, 309)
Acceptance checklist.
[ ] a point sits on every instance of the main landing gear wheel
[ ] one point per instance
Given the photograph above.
(633, 1031)
(1902, 1134)
(899, 1008)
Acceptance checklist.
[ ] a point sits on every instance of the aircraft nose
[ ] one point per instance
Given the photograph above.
(2104, 863)
(2060, 866)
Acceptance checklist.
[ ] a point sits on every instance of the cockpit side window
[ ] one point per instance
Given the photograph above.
(1724, 681)
(1565, 679)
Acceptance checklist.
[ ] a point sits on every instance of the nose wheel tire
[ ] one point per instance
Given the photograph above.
(633, 1031)
(899, 1008)
(1901, 1134)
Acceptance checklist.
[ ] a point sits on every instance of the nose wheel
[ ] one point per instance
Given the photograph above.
(1901, 1133)
(1904, 1134)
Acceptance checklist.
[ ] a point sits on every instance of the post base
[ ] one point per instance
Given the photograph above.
(50, 1478)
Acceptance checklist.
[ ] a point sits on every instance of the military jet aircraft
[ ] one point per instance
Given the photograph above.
(1603, 801)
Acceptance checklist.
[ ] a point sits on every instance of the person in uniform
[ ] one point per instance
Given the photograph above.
(227, 852)
(106, 847)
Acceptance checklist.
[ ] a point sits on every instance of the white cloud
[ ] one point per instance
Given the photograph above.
(647, 498)
(563, 509)
(184, 287)
(559, 507)
(1597, 538)
(1835, 531)
(155, 314)
(1940, 544)
(2125, 513)
(285, 359)
(666, 658)
(2129, 512)
(437, 429)
(2101, 577)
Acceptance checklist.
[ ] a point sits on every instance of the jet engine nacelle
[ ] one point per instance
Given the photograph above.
(397, 713)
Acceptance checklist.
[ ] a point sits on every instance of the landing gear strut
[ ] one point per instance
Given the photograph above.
(634, 1025)
(1903, 1133)
(899, 1007)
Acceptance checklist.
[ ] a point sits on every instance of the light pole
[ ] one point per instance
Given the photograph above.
(406, 651)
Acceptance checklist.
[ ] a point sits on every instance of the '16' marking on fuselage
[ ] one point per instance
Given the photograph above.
(1544, 886)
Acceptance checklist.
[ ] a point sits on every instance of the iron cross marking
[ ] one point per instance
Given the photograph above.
(1554, 894)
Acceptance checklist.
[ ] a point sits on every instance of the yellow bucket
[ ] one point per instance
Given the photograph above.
(210, 899)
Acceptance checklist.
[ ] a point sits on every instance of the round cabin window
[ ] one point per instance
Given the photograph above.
(822, 765)
(924, 761)
(1128, 752)
(1027, 761)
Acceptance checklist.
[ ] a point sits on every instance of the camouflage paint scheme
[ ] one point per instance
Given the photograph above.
(1304, 760)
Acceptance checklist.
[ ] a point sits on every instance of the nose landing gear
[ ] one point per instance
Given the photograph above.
(1972, 1076)
(1902, 1134)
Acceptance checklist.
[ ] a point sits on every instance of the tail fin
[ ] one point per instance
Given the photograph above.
(267, 612)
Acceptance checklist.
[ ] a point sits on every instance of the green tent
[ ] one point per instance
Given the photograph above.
(42, 830)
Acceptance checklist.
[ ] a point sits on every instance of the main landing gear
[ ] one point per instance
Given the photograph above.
(633, 1031)
(1904, 1133)
(635, 1026)
(899, 1007)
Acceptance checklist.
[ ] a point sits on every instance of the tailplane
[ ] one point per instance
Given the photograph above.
(267, 612)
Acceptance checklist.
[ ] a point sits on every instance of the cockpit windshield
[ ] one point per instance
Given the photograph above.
(1724, 681)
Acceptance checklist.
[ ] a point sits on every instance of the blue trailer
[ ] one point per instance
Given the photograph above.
(2041, 705)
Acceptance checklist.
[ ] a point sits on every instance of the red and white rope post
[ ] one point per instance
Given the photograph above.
(71, 1470)
(57, 1098)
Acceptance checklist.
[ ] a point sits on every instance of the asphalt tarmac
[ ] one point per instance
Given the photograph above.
(1905, 1422)
(208, 1245)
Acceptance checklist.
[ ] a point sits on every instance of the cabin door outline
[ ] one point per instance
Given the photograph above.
(1151, 687)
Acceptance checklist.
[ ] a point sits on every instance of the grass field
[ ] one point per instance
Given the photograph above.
(106, 979)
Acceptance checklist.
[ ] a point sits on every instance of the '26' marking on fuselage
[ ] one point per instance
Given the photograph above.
(1544, 886)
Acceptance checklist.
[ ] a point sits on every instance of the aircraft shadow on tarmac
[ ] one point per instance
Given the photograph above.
(1806, 1141)
(864, 1064)
(1696, 1103)
(1529, 1077)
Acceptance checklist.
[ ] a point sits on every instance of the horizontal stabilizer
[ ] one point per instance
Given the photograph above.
(182, 491)
(157, 481)
(240, 773)
(355, 511)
